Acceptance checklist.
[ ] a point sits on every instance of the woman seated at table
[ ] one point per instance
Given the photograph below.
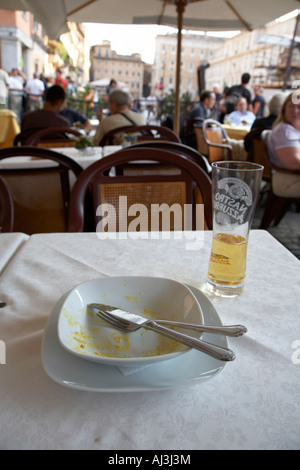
(241, 116)
(119, 104)
(284, 148)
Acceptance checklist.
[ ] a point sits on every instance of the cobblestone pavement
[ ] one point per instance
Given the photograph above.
(287, 232)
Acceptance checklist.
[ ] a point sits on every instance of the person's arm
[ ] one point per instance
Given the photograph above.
(289, 157)
(98, 135)
(87, 126)
(256, 107)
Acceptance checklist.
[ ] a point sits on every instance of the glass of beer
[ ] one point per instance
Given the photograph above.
(236, 187)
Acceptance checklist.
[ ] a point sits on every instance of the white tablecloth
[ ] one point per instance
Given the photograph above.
(9, 245)
(252, 404)
(83, 160)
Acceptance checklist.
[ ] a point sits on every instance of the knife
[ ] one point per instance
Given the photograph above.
(130, 321)
(227, 330)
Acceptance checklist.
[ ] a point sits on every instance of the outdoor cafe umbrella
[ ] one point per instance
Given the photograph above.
(204, 15)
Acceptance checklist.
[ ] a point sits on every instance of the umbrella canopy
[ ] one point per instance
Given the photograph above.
(104, 82)
(206, 15)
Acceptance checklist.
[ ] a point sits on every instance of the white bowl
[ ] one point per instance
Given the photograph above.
(85, 335)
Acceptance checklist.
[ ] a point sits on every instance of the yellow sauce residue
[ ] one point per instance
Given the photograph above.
(99, 341)
(132, 299)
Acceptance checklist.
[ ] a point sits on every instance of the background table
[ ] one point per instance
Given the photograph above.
(236, 132)
(252, 404)
(9, 127)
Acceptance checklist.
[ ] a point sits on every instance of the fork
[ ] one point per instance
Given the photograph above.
(213, 350)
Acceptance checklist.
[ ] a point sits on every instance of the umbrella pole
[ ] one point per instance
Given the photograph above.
(180, 6)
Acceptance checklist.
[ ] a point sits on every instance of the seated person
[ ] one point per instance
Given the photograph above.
(202, 110)
(119, 103)
(284, 149)
(49, 115)
(267, 122)
(74, 116)
(274, 105)
(241, 116)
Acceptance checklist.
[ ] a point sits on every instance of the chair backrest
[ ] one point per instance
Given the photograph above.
(40, 189)
(6, 208)
(216, 138)
(23, 136)
(180, 149)
(53, 137)
(257, 152)
(140, 134)
(145, 193)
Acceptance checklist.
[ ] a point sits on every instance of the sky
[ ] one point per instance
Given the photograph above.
(128, 39)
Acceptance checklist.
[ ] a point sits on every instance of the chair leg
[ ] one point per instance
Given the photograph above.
(275, 209)
(283, 210)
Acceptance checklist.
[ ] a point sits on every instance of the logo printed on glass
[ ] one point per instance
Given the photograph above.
(232, 202)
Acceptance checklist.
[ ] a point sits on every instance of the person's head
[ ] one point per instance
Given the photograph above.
(216, 88)
(118, 100)
(245, 78)
(56, 98)
(113, 83)
(242, 105)
(257, 90)
(290, 111)
(275, 103)
(208, 99)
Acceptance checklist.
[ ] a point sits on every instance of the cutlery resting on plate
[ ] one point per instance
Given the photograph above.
(127, 321)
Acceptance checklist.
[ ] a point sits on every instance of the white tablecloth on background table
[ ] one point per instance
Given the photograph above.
(83, 160)
(27, 162)
(252, 404)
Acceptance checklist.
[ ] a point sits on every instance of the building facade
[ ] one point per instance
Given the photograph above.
(195, 50)
(263, 53)
(22, 43)
(106, 63)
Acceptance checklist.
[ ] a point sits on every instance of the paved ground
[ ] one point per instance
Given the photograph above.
(287, 232)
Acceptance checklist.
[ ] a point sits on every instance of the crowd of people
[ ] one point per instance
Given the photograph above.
(22, 94)
(46, 106)
(238, 107)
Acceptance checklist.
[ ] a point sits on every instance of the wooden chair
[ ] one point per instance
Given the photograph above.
(276, 206)
(23, 136)
(216, 139)
(180, 149)
(53, 137)
(6, 208)
(257, 153)
(191, 185)
(40, 189)
(141, 133)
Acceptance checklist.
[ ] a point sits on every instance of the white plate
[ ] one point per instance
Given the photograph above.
(71, 371)
(89, 337)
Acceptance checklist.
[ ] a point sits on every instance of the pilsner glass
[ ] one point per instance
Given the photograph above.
(236, 187)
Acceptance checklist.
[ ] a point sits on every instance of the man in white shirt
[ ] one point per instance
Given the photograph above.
(3, 88)
(34, 89)
(16, 81)
(241, 116)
